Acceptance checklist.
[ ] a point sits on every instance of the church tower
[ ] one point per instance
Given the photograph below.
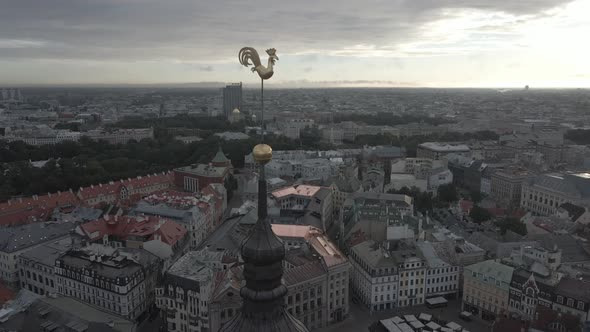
(263, 307)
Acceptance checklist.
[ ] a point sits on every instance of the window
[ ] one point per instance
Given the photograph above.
(559, 299)
(580, 305)
(570, 302)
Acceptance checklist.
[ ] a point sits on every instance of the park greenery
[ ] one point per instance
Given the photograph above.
(512, 224)
(479, 214)
(72, 165)
(578, 136)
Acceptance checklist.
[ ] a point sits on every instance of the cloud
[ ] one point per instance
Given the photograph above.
(307, 69)
(206, 68)
(131, 30)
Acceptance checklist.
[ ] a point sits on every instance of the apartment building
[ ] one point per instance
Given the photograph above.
(486, 289)
(544, 194)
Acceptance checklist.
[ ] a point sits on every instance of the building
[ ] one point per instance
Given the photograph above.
(236, 116)
(196, 177)
(439, 177)
(506, 186)
(455, 249)
(528, 290)
(374, 276)
(572, 296)
(388, 275)
(36, 267)
(543, 194)
(442, 278)
(120, 281)
(35, 208)
(263, 254)
(317, 276)
(373, 206)
(468, 173)
(232, 98)
(11, 95)
(124, 191)
(314, 201)
(120, 136)
(164, 238)
(437, 151)
(15, 241)
(412, 274)
(63, 314)
(183, 298)
(199, 213)
(486, 289)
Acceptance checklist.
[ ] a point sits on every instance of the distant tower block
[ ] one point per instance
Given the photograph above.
(526, 87)
(232, 98)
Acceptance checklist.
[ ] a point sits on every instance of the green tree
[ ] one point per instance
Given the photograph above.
(475, 197)
(479, 214)
(513, 224)
(448, 193)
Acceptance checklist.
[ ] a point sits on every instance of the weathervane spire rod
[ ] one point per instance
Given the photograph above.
(249, 56)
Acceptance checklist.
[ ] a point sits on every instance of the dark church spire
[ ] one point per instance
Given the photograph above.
(263, 252)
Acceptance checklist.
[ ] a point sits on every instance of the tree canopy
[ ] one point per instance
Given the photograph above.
(479, 214)
(448, 193)
(513, 224)
(578, 136)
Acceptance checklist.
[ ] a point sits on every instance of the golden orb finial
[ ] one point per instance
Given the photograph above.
(262, 153)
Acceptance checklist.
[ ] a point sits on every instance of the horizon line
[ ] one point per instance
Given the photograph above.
(277, 86)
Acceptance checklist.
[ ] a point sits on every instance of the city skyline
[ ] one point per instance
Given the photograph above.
(403, 44)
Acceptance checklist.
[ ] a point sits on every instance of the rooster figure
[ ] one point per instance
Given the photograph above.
(248, 54)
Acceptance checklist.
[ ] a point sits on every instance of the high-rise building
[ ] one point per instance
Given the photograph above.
(232, 98)
(263, 253)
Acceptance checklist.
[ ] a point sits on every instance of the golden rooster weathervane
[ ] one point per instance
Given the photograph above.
(248, 54)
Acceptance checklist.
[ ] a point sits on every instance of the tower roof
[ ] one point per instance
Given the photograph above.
(219, 157)
(263, 253)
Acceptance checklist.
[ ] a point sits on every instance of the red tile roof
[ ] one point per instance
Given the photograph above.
(39, 208)
(465, 205)
(111, 188)
(126, 226)
(6, 294)
(47, 201)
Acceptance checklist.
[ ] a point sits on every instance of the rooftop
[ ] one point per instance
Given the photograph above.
(430, 255)
(300, 190)
(444, 147)
(128, 227)
(47, 254)
(17, 238)
(491, 268)
(575, 185)
(577, 289)
(67, 314)
(109, 262)
(191, 267)
(203, 170)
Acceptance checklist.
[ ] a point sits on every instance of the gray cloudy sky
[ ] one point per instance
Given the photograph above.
(389, 42)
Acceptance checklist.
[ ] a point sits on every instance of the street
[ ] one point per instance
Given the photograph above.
(359, 317)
